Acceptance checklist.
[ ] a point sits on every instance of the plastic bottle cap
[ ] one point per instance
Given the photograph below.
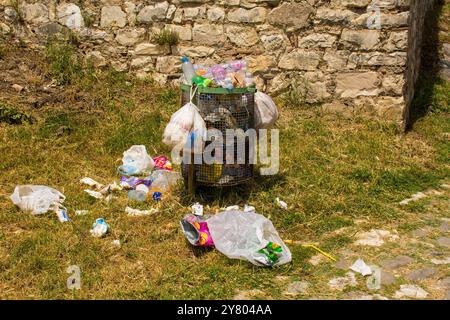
(184, 59)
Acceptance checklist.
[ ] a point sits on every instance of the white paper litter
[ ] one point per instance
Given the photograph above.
(91, 182)
(361, 267)
(281, 203)
(248, 208)
(136, 212)
(81, 212)
(197, 209)
(94, 194)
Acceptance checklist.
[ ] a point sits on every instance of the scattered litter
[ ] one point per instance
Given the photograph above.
(248, 208)
(414, 197)
(163, 163)
(232, 208)
(281, 203)
(91, 183)
(410, 291)
(196, 230)
(375, 237)
(116, 243)
(248, 236)
(113, 187)
(136, 212)
(133, 182)
(94, 194)
(361, 267)
(197, 209)
(109, 198)
(136, 161)
(163, 180)
(62, 215)
(99, 228)
(81, 212)
(37, 199)
(137, 195)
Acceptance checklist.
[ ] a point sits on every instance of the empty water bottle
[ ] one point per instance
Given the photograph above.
(188, 69)
(137, 195)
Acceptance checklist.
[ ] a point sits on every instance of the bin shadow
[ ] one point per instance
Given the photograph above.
(239, 194)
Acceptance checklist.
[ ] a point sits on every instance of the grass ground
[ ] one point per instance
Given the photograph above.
(336, 174)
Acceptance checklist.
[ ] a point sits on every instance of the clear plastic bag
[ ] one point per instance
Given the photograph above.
(136, 161)
(266, 113)
(37, 199)
(248, 236)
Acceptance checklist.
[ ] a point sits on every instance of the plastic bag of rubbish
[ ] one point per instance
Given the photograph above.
(187, 119)
(37, 199)
(266, 112)
(248, 236)
(136, 161)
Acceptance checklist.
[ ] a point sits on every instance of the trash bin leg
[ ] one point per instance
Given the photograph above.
(191, 173)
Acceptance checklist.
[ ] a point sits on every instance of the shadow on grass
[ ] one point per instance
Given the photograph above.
(239, 194)
(429, 67)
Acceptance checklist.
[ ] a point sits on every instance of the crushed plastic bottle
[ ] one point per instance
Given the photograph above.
(99, 228)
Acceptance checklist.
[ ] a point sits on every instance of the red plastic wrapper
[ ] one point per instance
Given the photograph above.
(163, 163)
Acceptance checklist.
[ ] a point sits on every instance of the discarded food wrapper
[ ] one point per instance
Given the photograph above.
(281, 203)
(197, 209)
(136, 212)
(248, 208)
(136, 161)
(91, 182)
(94, 194)
(132, 182)
(99, 228)
(81, 212)
(361, 267)
(112, 187)
(37, 199)
(195, 228)
(163, 163)
(62, 215)
(248, 236)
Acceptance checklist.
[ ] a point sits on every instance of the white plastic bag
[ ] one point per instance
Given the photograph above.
(241, 235)
(37, 199)
(136, 161)
(183, 122)
(266, 112)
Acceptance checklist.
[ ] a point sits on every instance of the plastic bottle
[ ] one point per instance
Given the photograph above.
(188, 69)
(137, 195)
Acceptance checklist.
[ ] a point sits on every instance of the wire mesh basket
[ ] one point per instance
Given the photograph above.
(223, 109)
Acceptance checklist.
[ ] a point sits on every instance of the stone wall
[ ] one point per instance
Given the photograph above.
(347, 55)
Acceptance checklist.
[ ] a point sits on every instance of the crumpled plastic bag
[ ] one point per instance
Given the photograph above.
(37, 199)
(266, 113)
(186, 120)
(136, 161)
(248, 236)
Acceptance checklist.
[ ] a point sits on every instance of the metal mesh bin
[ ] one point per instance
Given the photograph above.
(223, 109)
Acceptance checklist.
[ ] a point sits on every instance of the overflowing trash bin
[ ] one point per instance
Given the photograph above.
(223, 109)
